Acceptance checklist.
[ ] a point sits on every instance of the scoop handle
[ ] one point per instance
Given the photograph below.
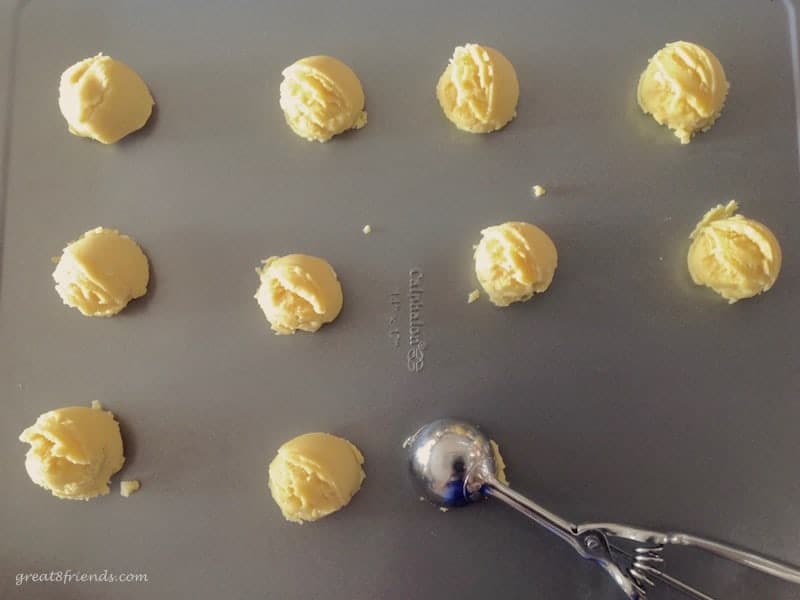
(742, 557)
(591, 544)
(550, 521)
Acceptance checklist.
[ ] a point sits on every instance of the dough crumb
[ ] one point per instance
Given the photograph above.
(367, 229)
(538, 191)
(128, 487)
(473, 295)
(96, 405)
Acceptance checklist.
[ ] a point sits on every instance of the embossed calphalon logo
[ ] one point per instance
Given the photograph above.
(416, 339)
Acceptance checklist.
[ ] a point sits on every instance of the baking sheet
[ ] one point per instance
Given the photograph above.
(623, 393)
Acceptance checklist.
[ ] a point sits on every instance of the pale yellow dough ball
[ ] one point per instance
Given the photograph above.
(735, 256)
(101, 272)
(74, 451)
(683, 87)
(321, 97)
(514, 261)
(298, 291)
(103, 99)
(478, 90)
(314, 475)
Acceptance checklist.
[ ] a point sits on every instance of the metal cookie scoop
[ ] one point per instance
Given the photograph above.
(452, 464)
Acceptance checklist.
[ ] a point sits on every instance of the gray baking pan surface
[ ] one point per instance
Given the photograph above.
(624, 393)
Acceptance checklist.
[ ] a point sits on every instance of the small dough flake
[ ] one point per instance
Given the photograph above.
(128, 487)
(538, 191)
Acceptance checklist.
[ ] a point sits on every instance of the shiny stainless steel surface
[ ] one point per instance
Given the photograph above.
(451, 463)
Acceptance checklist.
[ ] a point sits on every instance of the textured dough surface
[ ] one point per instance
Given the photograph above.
(478, 90)
(298, 291)
(103, 99)
(683, 87)
(321, 97)
(101, 272)
(514, 261)
(735, 256)
(74, 451)
(314, 475)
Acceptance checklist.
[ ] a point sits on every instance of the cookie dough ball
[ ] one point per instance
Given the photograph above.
(735, 256)
(101, 272)
(478, 90)
(298, 292)
(321, 97)
(103, 99)
(683, 87)
(74, 451)
(513, 261)
(314, 475)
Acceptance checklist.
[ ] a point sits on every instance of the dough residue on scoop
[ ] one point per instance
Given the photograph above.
(499, 463)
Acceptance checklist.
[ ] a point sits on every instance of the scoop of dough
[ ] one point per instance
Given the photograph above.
(101, 272)
(684, 87)
(735, 256)
(74, 451)
(513, 261)
(298, 292)
(103, 99)
(478, 90)
(314, 475)
(321, 97)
